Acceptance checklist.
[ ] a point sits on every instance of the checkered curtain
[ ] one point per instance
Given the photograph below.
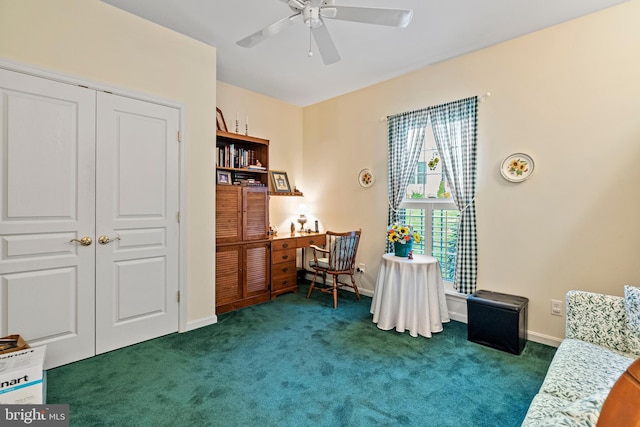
(455, 130)
(406, 137)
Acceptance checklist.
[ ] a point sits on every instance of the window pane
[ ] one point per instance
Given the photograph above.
(425, 181)
(415, 218)
(444, 238)
(422, 168)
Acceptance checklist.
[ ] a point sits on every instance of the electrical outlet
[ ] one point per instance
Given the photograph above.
(360, 268)
(556, 307)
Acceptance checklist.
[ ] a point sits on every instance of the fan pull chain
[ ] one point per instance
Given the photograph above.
(310, 52)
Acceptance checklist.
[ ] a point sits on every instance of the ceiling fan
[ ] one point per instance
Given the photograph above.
(313, 12)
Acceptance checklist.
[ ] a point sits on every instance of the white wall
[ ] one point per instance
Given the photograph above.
(94, 41)
(569, 96)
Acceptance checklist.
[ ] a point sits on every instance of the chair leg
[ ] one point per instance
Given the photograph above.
(355, 287)
(313, 282)
(335, 291)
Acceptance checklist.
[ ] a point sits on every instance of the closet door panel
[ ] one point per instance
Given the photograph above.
(47, 194)
(137, 206)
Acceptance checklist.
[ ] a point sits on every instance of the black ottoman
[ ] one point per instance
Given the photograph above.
(497, 320)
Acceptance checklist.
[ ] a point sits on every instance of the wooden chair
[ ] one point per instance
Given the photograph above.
(337, 257)
(622, 406)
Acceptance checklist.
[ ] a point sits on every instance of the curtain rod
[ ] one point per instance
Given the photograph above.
(481, 99)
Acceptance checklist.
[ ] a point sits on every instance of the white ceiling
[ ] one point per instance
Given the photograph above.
(280, 67)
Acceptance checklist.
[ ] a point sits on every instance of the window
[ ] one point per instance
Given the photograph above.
(435, 218)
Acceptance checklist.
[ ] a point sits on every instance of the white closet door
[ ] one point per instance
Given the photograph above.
(47, 184)
(136, 209)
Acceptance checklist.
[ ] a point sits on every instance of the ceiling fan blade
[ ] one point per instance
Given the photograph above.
(295, 4)
(268, 31)
(325, 45)
(369, 15)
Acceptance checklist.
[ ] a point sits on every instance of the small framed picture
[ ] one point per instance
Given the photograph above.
(224, 178)
(280, 182)
(220, 123)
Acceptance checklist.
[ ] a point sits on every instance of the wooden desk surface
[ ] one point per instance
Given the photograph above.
(302, 240)
(288, 235)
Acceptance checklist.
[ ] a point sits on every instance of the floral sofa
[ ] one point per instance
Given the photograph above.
(602, 339)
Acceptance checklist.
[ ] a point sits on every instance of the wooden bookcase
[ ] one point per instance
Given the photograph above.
(235, 153)
(243, 249)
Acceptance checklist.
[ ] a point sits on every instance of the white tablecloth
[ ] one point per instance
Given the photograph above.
(410, 295)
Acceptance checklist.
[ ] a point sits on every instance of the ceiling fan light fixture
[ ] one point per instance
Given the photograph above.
(311, 16)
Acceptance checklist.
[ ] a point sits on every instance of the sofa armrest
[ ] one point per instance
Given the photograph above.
(597, 318)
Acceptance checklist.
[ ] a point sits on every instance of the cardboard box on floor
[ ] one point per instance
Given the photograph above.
(21, 373)
(12, 343)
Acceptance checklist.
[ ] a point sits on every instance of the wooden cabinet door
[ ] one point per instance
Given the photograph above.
(228, 214)
(257, 269)
(229, 274)
(255, 213)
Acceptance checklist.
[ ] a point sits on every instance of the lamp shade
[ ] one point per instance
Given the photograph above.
(303, 209)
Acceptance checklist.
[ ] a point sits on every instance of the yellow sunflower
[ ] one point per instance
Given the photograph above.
(402, 234)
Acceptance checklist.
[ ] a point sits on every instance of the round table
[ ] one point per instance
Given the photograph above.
(410, 295)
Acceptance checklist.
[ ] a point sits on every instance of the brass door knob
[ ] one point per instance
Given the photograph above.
(85, 241)
(104, 239)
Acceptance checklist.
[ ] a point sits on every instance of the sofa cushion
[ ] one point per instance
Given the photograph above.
(582, 412)
(634, 344)
(597, 318)
(541, 407)
(580, 368)
(632, 307)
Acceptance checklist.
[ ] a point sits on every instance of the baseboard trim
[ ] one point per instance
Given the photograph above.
(457, 306)
(543, 339)
(200, 323)
(365, 292)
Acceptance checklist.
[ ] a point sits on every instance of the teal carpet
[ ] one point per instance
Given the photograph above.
(299, 362)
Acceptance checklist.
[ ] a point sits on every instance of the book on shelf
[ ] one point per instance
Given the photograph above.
(249, 183)
(230, 156)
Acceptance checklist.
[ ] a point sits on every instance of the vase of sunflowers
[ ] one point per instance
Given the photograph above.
(402, 237)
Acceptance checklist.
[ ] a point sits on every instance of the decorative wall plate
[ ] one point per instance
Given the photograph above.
(517, 167)
(366, 178)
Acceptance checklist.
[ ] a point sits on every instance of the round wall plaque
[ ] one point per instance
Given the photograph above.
(366, 178)
(517, 167)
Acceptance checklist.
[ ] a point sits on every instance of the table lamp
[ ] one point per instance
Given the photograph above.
(302, 211)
